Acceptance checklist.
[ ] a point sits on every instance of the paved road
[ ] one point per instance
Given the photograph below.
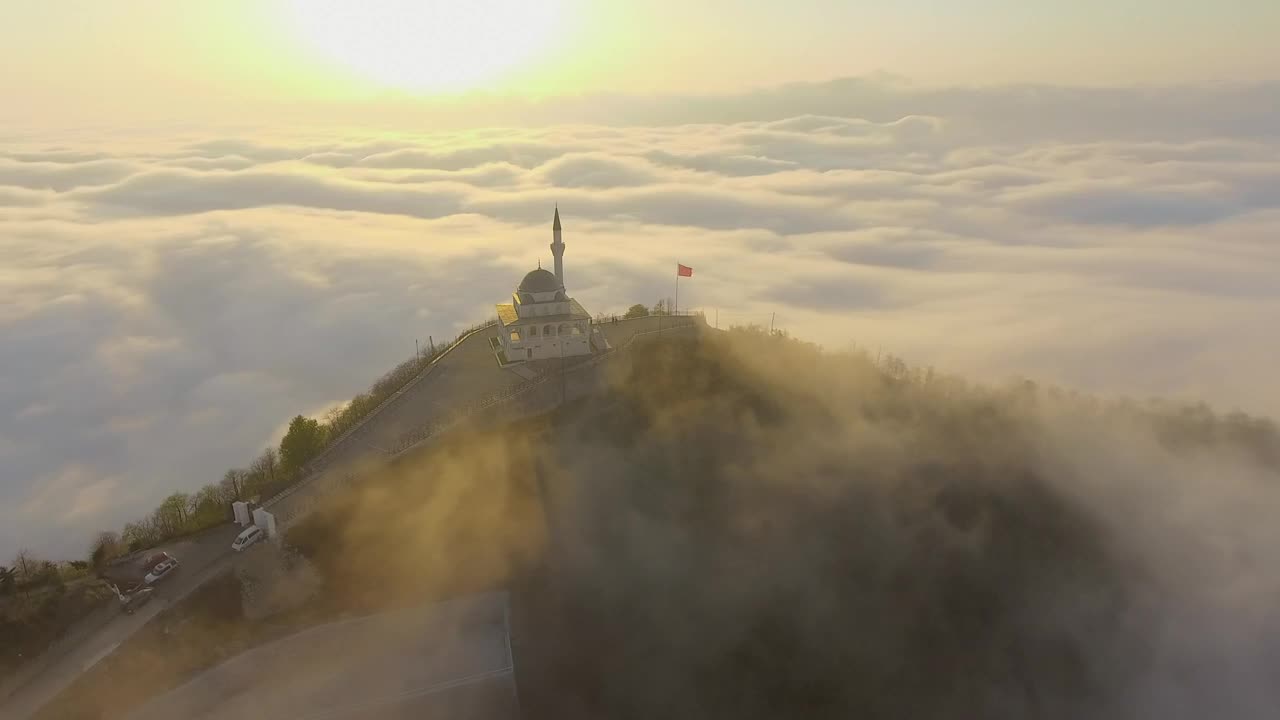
(465, 373)
(469, 372)
(462, 376)
(202, 557)
(448, 660)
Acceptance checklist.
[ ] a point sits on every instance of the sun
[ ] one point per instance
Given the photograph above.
(428, 45)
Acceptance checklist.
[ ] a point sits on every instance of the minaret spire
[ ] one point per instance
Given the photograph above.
(557, 246)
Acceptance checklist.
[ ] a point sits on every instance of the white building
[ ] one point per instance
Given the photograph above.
(541, 321)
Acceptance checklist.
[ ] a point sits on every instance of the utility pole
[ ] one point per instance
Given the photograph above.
(772, 317)
(417, 354)
(433, 344)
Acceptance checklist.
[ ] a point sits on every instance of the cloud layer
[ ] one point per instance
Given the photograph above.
(168, 300)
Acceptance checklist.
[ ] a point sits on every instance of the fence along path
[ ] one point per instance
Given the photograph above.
(321, 481)
(316, 465)
(516, 391)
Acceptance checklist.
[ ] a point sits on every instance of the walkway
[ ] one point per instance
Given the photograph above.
(447, 660)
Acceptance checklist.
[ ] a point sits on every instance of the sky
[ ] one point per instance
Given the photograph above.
(214, 216)
(82, 61)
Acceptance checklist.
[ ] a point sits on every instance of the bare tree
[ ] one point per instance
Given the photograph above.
(27, 564)
(28, 568)
(171, 516)
(209, 504)
(267, 465)
(104, 547)
(140, 534)
(234, 483)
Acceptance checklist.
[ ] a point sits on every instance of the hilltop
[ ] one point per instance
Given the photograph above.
(741, 524)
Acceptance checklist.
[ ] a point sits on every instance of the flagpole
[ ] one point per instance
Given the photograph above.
(677, 300)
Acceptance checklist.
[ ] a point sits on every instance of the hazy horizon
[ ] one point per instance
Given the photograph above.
(134, 59)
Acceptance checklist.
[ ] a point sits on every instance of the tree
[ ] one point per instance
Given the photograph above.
(138, 535)
(338, 418)
(252, 482)
(171, 517)
(28, 568)
(105, 547)
(266, 465)
(27, 565)
(48, 574)
(301, 443)
(233, 483)
(208, 506)
(636, 311)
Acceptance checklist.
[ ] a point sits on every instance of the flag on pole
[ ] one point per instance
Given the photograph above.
(683, 270)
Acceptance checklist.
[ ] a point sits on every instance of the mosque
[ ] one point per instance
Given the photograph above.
(541, 321)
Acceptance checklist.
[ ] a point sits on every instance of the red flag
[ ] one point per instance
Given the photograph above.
(684, 270)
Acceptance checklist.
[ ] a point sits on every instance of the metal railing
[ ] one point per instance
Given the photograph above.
(515, 391)
(415, 439)
(314, 466)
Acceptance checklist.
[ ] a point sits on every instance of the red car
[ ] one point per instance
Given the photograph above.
(158, 566)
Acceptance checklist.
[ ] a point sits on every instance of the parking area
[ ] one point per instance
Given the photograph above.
(202, 556)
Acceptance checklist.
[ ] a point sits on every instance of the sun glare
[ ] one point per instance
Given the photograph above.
(429, 45)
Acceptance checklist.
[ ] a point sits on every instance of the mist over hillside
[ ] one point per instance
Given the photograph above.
(740, 525)
(745, 526)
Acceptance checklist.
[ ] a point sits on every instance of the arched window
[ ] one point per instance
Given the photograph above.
(548, 330)
(577, 328)
(562, 330)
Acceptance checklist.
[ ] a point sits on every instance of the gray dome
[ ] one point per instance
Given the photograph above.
(539, 281)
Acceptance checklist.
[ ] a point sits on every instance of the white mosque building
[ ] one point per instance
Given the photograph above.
(542, 321)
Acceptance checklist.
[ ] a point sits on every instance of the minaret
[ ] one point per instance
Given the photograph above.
(557, 247)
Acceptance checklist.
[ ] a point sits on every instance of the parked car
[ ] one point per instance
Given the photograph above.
(136, 599)
(161, 565)
(248, 537)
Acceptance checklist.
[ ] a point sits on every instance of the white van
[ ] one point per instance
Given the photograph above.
(247, 538)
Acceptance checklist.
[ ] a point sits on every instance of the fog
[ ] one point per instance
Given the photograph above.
(749, 527)
(174, 294)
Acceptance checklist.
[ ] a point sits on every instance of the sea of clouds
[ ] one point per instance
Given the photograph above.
(169, 297)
